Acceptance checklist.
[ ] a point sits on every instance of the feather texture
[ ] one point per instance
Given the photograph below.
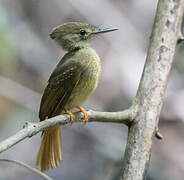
(73, 80)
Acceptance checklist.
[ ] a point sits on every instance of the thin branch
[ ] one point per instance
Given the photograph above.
(34, 170)
(180, 37)
(31, 129)
(149, 98)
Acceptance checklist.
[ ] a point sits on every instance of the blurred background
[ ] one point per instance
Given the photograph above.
(28, 56)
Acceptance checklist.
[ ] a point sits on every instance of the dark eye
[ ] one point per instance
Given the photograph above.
(82, 32)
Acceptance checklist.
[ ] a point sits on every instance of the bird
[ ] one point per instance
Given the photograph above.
(73, 80)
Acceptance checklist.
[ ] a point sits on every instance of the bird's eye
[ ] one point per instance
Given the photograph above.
(82, 32)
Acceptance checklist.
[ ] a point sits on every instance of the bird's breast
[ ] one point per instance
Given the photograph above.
(90, 72)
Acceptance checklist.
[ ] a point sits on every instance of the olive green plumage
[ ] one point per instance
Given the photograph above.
(71, 83)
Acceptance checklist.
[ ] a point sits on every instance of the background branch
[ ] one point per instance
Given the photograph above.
(34, 170)
(31, 129)
(149, 98)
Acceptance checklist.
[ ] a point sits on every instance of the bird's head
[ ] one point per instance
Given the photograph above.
(76, 35)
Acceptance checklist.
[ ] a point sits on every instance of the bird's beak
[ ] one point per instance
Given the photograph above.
(105, 30)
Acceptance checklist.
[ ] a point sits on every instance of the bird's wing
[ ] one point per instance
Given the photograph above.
(60, 86)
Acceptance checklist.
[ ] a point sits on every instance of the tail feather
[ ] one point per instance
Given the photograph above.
(57, 152)
(49, 154)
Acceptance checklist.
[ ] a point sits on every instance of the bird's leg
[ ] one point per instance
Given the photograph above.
(72, 117)
(84, 112)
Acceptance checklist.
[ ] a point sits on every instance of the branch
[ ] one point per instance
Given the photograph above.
(149, 98)
(41, 174)
(31, 129)
(180, 38)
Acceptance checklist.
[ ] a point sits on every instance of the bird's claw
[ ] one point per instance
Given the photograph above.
(85, 120)
(72, 117)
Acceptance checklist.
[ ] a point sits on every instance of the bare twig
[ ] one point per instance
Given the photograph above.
(180, 37)
(31, 129)
(43, 175)
(151, 90)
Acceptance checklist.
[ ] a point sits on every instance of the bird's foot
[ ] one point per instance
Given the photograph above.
(72, 117)
(84, 113)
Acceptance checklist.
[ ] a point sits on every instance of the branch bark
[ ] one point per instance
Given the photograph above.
(149, 98)
(31, 129)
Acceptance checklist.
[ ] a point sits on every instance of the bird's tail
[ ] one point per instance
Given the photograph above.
(49, 154)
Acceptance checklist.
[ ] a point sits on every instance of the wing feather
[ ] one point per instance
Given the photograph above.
(59, 89)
